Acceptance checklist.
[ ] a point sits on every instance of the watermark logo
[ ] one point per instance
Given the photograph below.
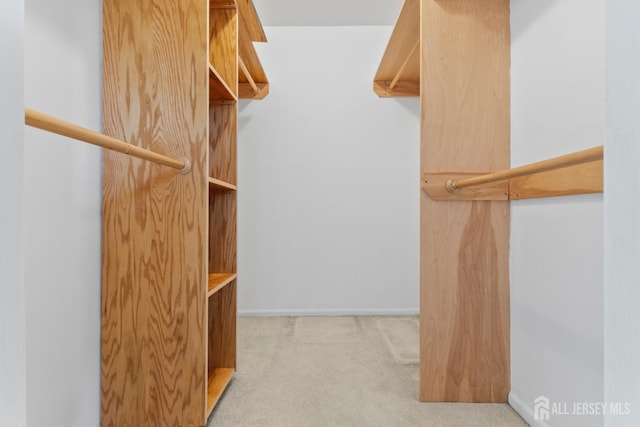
(541, 408)
(544, 408)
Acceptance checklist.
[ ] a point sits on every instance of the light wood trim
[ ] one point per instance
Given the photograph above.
(247, 75)
(584, 156)
(397, 58)
(583, 178)
(414, 49)
(51, 124)
(217, 383)
(250, 17)
(218, 281)
(464, 246)
(218, 184)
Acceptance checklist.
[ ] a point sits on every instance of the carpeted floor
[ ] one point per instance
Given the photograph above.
(337, 372)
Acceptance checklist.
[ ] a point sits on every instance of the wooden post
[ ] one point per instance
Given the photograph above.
(464, 297)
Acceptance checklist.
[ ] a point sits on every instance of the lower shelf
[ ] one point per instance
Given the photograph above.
(218, 281)
(218, 381)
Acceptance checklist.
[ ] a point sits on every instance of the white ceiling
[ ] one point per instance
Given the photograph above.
(327, 12)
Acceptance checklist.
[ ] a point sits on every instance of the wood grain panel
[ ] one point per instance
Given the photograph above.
(154, 220)
(464, 297)
(223, 45)
(222, 328)
(223, 137)
(222, 232)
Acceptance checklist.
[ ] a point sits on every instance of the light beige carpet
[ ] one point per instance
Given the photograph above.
(337, 372)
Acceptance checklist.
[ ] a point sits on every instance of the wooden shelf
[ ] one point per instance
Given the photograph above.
(251, 21)
(249, 31)
(219, 90)
(218, 381)
(218, 281)
(217, 184)
(401, 62)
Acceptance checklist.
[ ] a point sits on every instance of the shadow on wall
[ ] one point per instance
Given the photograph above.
(533, 10)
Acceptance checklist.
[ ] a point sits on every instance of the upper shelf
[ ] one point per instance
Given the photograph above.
(252, 80)
(399, 70)
(245, 77)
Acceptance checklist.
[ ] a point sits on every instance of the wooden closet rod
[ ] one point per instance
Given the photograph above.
(585, 156)
(51, 124)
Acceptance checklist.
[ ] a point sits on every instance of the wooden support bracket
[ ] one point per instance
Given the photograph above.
(583, 178)
(435, 185)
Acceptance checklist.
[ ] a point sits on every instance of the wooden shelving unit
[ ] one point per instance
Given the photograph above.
(171, 82)
(455, 55)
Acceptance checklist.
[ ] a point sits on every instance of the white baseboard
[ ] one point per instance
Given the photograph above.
(330, 312)
(525, 411)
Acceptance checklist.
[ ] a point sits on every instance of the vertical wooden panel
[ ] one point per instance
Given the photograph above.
(464, 300)
(154, 220)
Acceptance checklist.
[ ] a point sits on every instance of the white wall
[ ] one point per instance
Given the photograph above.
(556, 244)
(62, 192)
(622, 211)
(328, 180)
(12, 293)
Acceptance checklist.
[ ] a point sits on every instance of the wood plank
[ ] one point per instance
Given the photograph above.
(154, 251)
(217, 184)
(218, 281)
(403, 38)
(223, 137)
(218, 381)
(464, 291)
(252, 21)
(223, 45)
(579, 179)
(222, 328)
